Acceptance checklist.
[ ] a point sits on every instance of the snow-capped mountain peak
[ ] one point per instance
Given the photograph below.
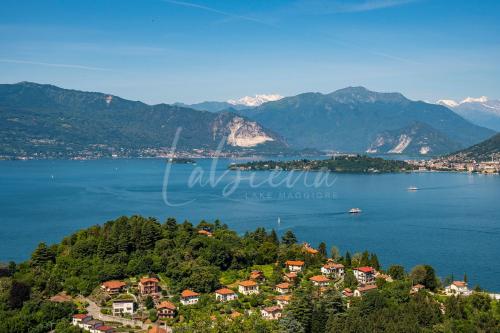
(447, 102)
(453, 104)
(482, 99)
(255, 101)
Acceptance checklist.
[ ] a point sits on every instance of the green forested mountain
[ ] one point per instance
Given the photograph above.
(355, 119)
(483, 151)
(45, 119)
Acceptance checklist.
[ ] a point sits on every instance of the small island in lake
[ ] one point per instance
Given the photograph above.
(342, 163)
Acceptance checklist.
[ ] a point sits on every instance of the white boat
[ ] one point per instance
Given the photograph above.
(412, 188)
(354, 211)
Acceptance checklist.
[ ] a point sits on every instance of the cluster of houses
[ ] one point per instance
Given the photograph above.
(88, 323)
(450, 164)
(331, 271)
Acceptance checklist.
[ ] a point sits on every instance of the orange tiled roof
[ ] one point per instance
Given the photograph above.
(283, 285)
(80, 315)
(235, 314)
(294, 263)
(166, 305)
(459, 283)
(224, 291)
(247, 283)
(204, 232)
(114, 284)
(333, 265)
(319, 278)
(146, 280)
(291, 275)
(283, 298)
(365, 269)
(189, 293)
(271, 309)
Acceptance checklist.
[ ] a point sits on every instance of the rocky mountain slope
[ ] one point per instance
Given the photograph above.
(44, 119)
(355, 119)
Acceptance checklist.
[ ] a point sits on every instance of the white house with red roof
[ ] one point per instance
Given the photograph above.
(283, 300)
(283, 287)
(320, 280)
(189, 297)
(166, 310)
(225, 295)
(271, 312)
(113, 287)
(80, 318)
(365, 274)
(360, 291)
(248, 287)
(347, 292)
(148, 285)
(294, 265)
(458, 288)
(416, 288)
(332, 269)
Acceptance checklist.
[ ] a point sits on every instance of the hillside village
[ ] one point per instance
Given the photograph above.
(129, 298)
(135, 274)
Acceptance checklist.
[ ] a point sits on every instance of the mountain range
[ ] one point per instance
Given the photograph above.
(242, 103)
(47, 121)
(356, 119)
(480, 111)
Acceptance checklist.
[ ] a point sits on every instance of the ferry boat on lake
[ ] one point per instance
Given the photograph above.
(354, 211)
(412, 188)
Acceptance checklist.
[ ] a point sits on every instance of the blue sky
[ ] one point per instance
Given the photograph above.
(169, 50)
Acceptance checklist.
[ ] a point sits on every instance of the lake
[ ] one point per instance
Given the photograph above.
(451, 223)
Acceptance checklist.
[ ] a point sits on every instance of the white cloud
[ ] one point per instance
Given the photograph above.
(47, 64)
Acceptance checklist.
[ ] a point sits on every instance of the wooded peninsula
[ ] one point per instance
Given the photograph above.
(341, 163)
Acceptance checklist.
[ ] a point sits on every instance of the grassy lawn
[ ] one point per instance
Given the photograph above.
(266, 269)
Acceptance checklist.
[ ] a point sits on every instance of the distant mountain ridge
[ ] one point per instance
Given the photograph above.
(484, 151)
(45, 119)
(481, 111)
(355, 119)
(233, 104)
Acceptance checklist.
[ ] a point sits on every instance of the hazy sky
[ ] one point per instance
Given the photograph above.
(189, 51)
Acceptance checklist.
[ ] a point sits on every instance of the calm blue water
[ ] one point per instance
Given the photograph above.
(452, 223)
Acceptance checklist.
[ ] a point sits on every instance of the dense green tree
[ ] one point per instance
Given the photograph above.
(18, 294)
(334, 253)
(347, 260)
(289, 238)
(301, 308)
(149, 303)
(374, 261)
(425, 275)
(288, 324)
(41, 255)
(322, 249)
(397, 272)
